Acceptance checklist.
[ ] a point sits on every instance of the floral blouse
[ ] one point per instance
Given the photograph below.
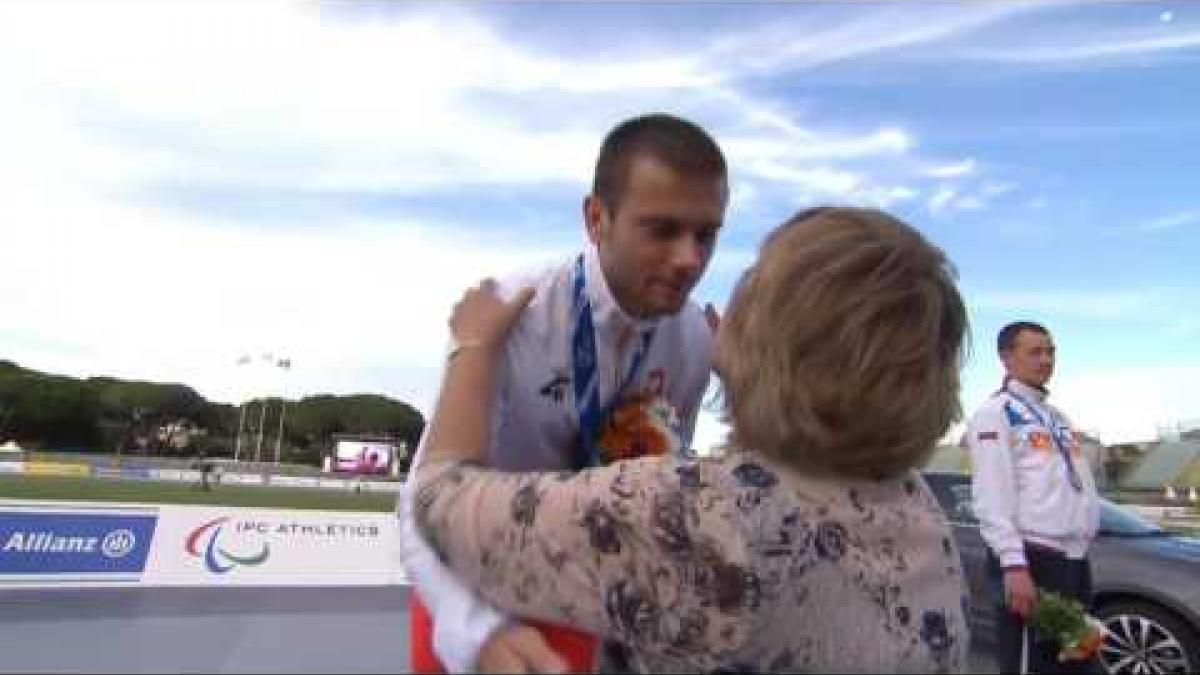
(731, 564)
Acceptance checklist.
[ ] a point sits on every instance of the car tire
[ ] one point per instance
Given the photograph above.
(1174, 646)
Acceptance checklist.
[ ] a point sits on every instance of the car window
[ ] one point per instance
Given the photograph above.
(962, 510)
(953, 493)
(1122, 522)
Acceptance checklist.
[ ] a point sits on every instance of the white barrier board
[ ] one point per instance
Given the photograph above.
(46, 544)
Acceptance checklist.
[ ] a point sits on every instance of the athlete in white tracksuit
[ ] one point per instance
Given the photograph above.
(1034, 493)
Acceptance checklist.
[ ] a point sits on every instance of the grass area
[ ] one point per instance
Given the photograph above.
(60, 488)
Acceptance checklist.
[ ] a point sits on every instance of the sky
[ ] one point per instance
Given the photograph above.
(183, 184)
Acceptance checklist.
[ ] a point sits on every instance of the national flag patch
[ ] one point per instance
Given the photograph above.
(988, 436)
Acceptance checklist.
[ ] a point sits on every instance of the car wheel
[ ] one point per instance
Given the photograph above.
(1145, 638)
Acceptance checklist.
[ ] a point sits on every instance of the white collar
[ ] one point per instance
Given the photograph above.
(606, 313)
(1025, 391)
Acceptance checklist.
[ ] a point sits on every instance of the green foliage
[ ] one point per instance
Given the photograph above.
(1060, 617)
(104, 414)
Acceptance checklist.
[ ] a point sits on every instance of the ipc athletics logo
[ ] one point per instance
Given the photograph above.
(217, 559)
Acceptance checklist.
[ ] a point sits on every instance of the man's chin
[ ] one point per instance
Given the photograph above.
(668, 307)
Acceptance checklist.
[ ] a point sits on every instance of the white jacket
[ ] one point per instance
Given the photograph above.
(1021, 484)
(535, 426)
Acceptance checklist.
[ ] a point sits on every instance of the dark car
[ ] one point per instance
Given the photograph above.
(1146, 582)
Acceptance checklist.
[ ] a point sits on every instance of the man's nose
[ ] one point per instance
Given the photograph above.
(687, 254)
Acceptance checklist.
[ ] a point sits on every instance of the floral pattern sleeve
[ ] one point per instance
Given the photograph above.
(604, 549)
(701, 565)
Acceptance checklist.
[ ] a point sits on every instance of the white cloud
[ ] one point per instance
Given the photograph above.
(1090, 47)
(374, 105)
(265, 96)
(153, 295)
(1170, 221)
(993, 188)
(955, 170)
(122, 98)
(1090, 304)
(807, 145)
(942, 198)
(959, 195)
(970, 203)
(1125, 404)
(1115, 405)
(284, 98)
(1183, 327)
(791, 45)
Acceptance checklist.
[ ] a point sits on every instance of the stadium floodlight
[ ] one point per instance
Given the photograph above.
(242, 360)
(284, 364)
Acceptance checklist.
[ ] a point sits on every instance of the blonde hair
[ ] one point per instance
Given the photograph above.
(840, 349)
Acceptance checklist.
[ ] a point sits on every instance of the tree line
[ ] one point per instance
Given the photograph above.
(50, 412)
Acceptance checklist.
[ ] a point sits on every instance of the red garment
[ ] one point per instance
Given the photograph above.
(577, 647)
(420, 639)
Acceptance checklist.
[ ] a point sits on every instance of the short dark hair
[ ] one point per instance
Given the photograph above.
(676, 142)
(1007, 339)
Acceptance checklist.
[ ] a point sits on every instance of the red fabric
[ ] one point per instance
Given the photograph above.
(420, 644)
(576, 647)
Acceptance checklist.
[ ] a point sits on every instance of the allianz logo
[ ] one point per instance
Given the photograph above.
(115, 544)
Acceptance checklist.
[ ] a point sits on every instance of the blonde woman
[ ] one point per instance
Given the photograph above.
(811, 544)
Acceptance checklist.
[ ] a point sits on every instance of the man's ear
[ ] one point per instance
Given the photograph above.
(593, 217)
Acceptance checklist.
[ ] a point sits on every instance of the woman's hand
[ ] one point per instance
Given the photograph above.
(482, 319)
(480, 323)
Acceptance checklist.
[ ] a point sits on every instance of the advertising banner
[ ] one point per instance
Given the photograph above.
(12, 467)
(57, 469)
(266, 547)
(296, 481)
(380, 486)
(241, 478)
(65, 546)
(71, 546)
(126, 472)
(186, 475)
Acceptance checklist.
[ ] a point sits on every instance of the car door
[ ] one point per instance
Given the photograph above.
(953, 492)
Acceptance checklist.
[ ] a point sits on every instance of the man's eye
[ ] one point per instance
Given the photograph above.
(664, 231)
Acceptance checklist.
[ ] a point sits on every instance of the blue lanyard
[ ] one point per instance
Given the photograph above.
(1058, 444)
(583, 362)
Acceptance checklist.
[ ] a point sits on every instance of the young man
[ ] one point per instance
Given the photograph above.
(1034, 494)
(609, 325)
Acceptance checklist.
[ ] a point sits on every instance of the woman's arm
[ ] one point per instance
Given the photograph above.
(608, 550)
(612, 550)
(480, 324)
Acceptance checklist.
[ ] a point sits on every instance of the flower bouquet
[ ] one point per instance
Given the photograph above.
(639, 426)
(1078, 634)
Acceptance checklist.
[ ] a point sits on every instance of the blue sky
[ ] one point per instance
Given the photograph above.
(189, 182)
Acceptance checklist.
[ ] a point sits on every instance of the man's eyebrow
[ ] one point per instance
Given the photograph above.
(658, 221)
(672, 221)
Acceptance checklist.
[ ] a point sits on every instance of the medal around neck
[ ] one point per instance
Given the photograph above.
(640, 426)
